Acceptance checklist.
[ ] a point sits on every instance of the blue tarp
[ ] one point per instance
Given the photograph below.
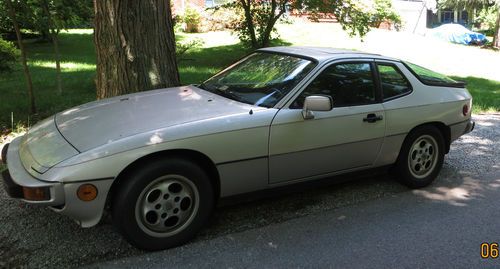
(457, 33)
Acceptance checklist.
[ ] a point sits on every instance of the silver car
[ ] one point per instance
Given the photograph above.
(161, 159)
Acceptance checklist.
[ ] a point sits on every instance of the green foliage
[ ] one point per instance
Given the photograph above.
(182, 47)
(31, 15)
(24, 15)
(384, 12)
(254, 20)
(8, 55)
(354, 16)
(192, 19)
(487, 18)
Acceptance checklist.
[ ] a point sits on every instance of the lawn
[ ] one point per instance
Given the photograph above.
(219, 50)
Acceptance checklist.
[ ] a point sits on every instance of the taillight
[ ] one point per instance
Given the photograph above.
(465, 110)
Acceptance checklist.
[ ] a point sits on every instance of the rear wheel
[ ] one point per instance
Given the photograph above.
(163, 204)
(421, 157)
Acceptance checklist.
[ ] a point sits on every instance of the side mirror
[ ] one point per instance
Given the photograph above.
(316, 103)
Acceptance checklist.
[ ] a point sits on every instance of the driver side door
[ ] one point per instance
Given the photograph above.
(348, 137)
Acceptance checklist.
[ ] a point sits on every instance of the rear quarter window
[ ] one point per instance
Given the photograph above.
(432, 78)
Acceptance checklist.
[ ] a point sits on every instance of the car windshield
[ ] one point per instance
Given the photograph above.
(260, 79)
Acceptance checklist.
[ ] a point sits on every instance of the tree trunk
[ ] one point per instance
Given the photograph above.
(266, 35)
(12, 15)
(55, 41)
(135, 46)
(273, 18)
(496, 35)
(54, 35)
(249, 21)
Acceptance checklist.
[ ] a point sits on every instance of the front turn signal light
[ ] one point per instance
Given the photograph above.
(87, 192)
(36, 194)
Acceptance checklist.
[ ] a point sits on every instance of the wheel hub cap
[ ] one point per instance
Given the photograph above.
(167, 205)
(423, 156)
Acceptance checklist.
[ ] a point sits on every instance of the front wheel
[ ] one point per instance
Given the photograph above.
(421, 157)
(163, 204)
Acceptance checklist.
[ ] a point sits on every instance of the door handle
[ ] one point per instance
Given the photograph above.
(372, 118)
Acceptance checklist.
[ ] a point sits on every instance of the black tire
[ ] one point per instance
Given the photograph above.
(177, 196)
(421, 157)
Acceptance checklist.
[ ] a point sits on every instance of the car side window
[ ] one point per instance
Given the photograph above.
(348, 84)
(392, 81)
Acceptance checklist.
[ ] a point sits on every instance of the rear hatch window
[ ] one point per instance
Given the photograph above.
(432, 78)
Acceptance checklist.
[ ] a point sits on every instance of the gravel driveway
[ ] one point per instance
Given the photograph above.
(37, 237)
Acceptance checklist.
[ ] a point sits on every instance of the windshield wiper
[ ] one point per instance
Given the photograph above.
(225, 93)
(228, 94)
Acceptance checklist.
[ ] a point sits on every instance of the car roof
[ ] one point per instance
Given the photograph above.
(324, 53)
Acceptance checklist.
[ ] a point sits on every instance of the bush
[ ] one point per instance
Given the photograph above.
(8, 55)
(384, 12)
(192, 19)
(486, 20)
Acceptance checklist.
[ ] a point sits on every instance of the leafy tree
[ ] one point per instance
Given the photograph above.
(135, 46)
(383, 11)
(32, 17)
(478, 4)
(24, 17)
(260, 16)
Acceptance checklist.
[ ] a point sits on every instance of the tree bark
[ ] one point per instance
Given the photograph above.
(12, 15)
(135, 46)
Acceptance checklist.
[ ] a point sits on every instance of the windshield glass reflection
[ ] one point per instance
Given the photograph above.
(260, 79)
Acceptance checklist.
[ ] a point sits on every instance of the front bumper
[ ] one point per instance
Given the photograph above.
(16, 178)
(62, 197)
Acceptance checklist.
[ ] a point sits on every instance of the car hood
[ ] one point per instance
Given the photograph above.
(104, 121)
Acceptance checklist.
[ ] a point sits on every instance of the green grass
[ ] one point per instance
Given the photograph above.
(78, 72)
(219, 50)
(485, 94)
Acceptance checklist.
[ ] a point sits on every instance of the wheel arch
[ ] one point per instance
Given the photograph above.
(191, 155)
(443, 128)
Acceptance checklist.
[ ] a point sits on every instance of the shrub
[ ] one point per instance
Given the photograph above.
(192, 19)
(486, 20)
(384, 12)
(8, 55)
(182, 47)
